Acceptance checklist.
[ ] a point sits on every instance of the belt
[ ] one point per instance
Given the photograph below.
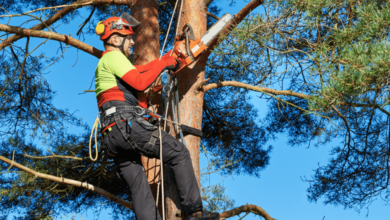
(126, 112)
(123, 109)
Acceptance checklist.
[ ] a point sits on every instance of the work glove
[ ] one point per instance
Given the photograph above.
(152, 120)
(172, 63)
(168, 54)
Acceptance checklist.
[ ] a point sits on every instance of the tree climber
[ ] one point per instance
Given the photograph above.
(126, 135)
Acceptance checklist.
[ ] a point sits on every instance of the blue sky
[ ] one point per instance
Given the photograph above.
(279, 191)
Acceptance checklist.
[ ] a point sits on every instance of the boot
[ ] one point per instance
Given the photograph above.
(200, 215)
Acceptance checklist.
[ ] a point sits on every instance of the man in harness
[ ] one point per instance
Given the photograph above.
(126, 135)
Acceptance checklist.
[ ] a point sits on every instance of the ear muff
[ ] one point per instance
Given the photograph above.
(99, 30)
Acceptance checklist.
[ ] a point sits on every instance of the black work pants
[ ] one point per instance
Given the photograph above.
(130, 168)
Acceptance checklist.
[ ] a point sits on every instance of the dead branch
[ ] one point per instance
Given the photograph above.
(253, 88)
(43, 9)
(25, 58)
(61, 13)
(246, 208)
(76, 183)
(86, 21)
(210, 86)
(213, 15)
(53, 36)
(65, 157)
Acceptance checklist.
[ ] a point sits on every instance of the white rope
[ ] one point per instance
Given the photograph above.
(161, 172)
(177, 30)
(94, 129)
(166, 112)
(169, 27)
(178, 20)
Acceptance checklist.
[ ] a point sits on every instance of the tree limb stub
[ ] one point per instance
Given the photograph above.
(61, 13)
(233, 23)
(213, 15)
(63, 180)
(53, 36)
(246, 208)
(210, 86)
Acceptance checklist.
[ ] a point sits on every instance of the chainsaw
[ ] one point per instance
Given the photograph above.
(187, 47)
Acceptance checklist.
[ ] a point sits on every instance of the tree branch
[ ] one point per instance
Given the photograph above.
(213, 15)
(233, 23)
(76, 183)
(86, 21)
(208, 2)
(65, 157)
(277, 92)
(246, 208)
(62, 13)
(253, 88)
(53, 36)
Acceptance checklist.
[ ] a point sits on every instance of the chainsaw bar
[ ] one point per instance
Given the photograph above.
(188, 48)
(216, 28)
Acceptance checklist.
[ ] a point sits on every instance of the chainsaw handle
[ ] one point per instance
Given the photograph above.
(188, 44)
(192, 35)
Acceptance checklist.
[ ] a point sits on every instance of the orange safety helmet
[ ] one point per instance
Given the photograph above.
(123, 25)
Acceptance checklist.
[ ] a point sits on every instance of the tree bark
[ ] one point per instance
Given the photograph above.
(146, 49)
(246, 208)
(191, 103)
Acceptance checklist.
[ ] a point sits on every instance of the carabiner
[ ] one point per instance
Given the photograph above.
(141, 111)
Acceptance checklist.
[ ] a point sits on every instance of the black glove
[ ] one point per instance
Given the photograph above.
(172, 63)
(152, 120)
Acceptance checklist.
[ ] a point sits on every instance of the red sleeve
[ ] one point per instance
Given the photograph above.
(146, 67)
(142, 81)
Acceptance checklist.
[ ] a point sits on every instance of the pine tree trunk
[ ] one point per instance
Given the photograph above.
(191, 103)
(146, 49)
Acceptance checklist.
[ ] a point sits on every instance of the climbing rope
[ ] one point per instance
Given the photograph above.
(161, 170)
(169, 27)
(178, 112)
(166, 112)
(94, 129)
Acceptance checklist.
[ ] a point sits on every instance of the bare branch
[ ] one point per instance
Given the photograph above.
(253, 88)
(65, 157)
(213, 15)
(277, 92)
(62, 13)
(44, 8)
(86, 21)
(76, 183)
(25, 58)
(53, 36)
(246, 208)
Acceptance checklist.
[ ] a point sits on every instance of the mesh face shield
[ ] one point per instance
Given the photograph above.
(132, 22)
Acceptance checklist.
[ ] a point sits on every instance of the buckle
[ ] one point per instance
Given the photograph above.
(110, 111)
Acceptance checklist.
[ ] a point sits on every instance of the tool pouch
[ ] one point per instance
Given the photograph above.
(146, 125)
